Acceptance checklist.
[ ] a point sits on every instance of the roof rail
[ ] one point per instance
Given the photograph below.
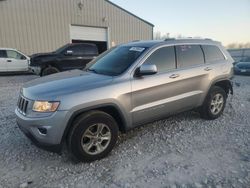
(168, 39)
(135, 40)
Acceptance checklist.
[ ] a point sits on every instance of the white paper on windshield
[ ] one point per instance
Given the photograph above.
(137, 49)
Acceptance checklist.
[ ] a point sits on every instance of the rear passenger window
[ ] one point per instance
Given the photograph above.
(212, 53)
(3, 54)
(90, 50)
(189, 55)
(163, 58)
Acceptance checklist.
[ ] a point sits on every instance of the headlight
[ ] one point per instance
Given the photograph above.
(45, 106)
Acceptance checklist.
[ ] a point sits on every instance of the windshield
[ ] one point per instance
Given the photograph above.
(116, 61)
(59, 50)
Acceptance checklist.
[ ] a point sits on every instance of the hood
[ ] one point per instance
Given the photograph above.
(42, 55)
(53, 86)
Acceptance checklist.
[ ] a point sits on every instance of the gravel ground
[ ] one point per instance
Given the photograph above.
(181, 151)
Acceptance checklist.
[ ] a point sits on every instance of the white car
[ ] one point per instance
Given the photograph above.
(11, 60)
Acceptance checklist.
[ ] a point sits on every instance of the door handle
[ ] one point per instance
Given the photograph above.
(9, 61)
(208, 69)
(174, 76)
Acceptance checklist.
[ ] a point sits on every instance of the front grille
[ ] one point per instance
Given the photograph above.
(22, 105)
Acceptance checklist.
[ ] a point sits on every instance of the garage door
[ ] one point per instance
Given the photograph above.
(88, 33)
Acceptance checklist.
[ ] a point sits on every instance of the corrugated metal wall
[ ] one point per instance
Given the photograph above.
(43, 25)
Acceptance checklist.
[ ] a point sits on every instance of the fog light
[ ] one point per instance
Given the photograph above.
(42, 130)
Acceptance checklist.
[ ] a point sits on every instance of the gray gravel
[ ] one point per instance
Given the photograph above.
(181, 151)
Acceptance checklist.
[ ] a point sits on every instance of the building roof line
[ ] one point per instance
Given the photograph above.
(129, 13)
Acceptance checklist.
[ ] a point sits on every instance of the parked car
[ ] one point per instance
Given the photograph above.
(242, 67)
(125, 87)
(68, 57)
(11, 60)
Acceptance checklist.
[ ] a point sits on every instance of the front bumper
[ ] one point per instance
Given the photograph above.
(35, 69)
(46, 132)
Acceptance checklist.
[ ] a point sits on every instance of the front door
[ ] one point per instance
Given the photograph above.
(16, 61)
(153, 96)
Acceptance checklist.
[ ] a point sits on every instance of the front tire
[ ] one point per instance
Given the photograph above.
(214, 103)
(49, 70)
(93, 136)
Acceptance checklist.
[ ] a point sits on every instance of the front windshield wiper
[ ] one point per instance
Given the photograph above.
(98, 72)
(92, 70)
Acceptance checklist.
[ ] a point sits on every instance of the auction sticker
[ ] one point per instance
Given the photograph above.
(137, 49)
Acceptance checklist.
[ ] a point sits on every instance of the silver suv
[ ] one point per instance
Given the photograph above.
(127, 86)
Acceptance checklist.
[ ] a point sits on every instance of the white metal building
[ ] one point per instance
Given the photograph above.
(34, 26)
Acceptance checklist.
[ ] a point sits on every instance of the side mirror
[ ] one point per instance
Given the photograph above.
(146, 70)
(23, 57)
(69, 52)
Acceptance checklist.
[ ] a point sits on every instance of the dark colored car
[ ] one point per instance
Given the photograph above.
(68, 57)
(242, 67)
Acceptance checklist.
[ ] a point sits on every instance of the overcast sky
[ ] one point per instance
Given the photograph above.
(227, 21)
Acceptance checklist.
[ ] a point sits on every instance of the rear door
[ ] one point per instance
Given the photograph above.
(215, 63)
(16, 61)
(193, 74)
(3, 61)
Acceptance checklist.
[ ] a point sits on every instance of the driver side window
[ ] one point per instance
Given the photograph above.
(163, 58)
(14, 55)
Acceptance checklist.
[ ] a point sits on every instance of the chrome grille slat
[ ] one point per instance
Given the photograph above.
(25, 106)
(19, 101)
(22, 105)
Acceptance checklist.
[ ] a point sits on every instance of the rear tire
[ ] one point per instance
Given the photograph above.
(49, 70)
(214, 103)
(93, 136)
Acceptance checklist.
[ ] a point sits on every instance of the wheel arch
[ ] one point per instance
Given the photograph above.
(110, 109)
(50, 64)
(225, 84)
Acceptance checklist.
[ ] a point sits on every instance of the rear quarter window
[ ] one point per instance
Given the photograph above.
(212, 53)
(189, 55)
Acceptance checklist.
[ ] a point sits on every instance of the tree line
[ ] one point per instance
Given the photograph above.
(159, 36)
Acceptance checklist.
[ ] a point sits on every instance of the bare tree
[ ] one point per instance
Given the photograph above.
(159, 36)
(238, 45)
